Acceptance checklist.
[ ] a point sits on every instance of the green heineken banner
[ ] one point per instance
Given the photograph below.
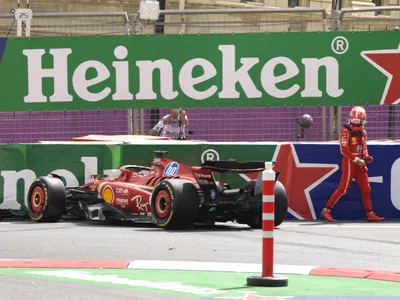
(242, 70)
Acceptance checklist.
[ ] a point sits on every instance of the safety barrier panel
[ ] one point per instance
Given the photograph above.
(310, 172)
(21, 164)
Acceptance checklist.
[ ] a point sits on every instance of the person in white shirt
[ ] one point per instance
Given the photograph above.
(175, 124)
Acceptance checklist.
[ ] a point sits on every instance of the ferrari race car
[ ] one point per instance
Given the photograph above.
(170, 194)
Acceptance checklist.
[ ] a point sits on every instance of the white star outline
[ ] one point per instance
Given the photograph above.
(309, 188)
(387, 74)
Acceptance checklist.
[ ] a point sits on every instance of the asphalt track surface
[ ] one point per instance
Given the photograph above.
(346, 245)
(18, 288)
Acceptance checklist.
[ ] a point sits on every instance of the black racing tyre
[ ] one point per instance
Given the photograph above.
(281, 206)
(281, 203)
(174, 204)
(47, 199)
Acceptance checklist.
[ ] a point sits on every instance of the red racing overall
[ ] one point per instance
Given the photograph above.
(353, 147)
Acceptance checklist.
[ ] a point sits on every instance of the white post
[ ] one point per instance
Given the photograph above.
(23, 16)
(267, 277)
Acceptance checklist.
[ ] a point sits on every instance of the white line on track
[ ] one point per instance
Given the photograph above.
(216, 267)
(310, 225)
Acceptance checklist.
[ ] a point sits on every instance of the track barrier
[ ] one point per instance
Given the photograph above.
(267, 278)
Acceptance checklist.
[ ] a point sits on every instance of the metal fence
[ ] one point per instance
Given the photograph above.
(67, 24)
(214, 124)
(234, 21)
(49, 24)
(381, 18)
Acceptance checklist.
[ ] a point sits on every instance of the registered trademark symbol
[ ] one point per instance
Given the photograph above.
(209, 154)
(340, 45)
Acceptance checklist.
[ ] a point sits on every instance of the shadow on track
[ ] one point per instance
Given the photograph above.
(142, 226)
(152, 227)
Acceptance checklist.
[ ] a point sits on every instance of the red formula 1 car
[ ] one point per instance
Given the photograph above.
(170, 194)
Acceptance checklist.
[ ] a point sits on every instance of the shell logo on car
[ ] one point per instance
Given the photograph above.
(106, 193)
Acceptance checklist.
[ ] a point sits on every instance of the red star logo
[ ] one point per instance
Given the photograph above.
(388, 62)
(298, 179)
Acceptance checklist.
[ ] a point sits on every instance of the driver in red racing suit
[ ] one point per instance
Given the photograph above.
(353, 147)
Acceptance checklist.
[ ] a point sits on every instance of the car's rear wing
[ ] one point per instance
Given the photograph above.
(232, 166)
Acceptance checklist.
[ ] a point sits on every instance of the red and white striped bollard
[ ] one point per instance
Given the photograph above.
(268, 212)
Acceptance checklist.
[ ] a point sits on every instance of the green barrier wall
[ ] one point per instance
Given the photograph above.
(13, 167)
(21, 164)
(196, 154)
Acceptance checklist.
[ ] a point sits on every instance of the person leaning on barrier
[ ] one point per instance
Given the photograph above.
(176, 123)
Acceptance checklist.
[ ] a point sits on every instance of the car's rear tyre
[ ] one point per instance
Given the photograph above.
(254, 219)
(281, 203)
(174, 204)
(47, 199)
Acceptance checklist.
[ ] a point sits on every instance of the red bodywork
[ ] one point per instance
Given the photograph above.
(131, 191)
